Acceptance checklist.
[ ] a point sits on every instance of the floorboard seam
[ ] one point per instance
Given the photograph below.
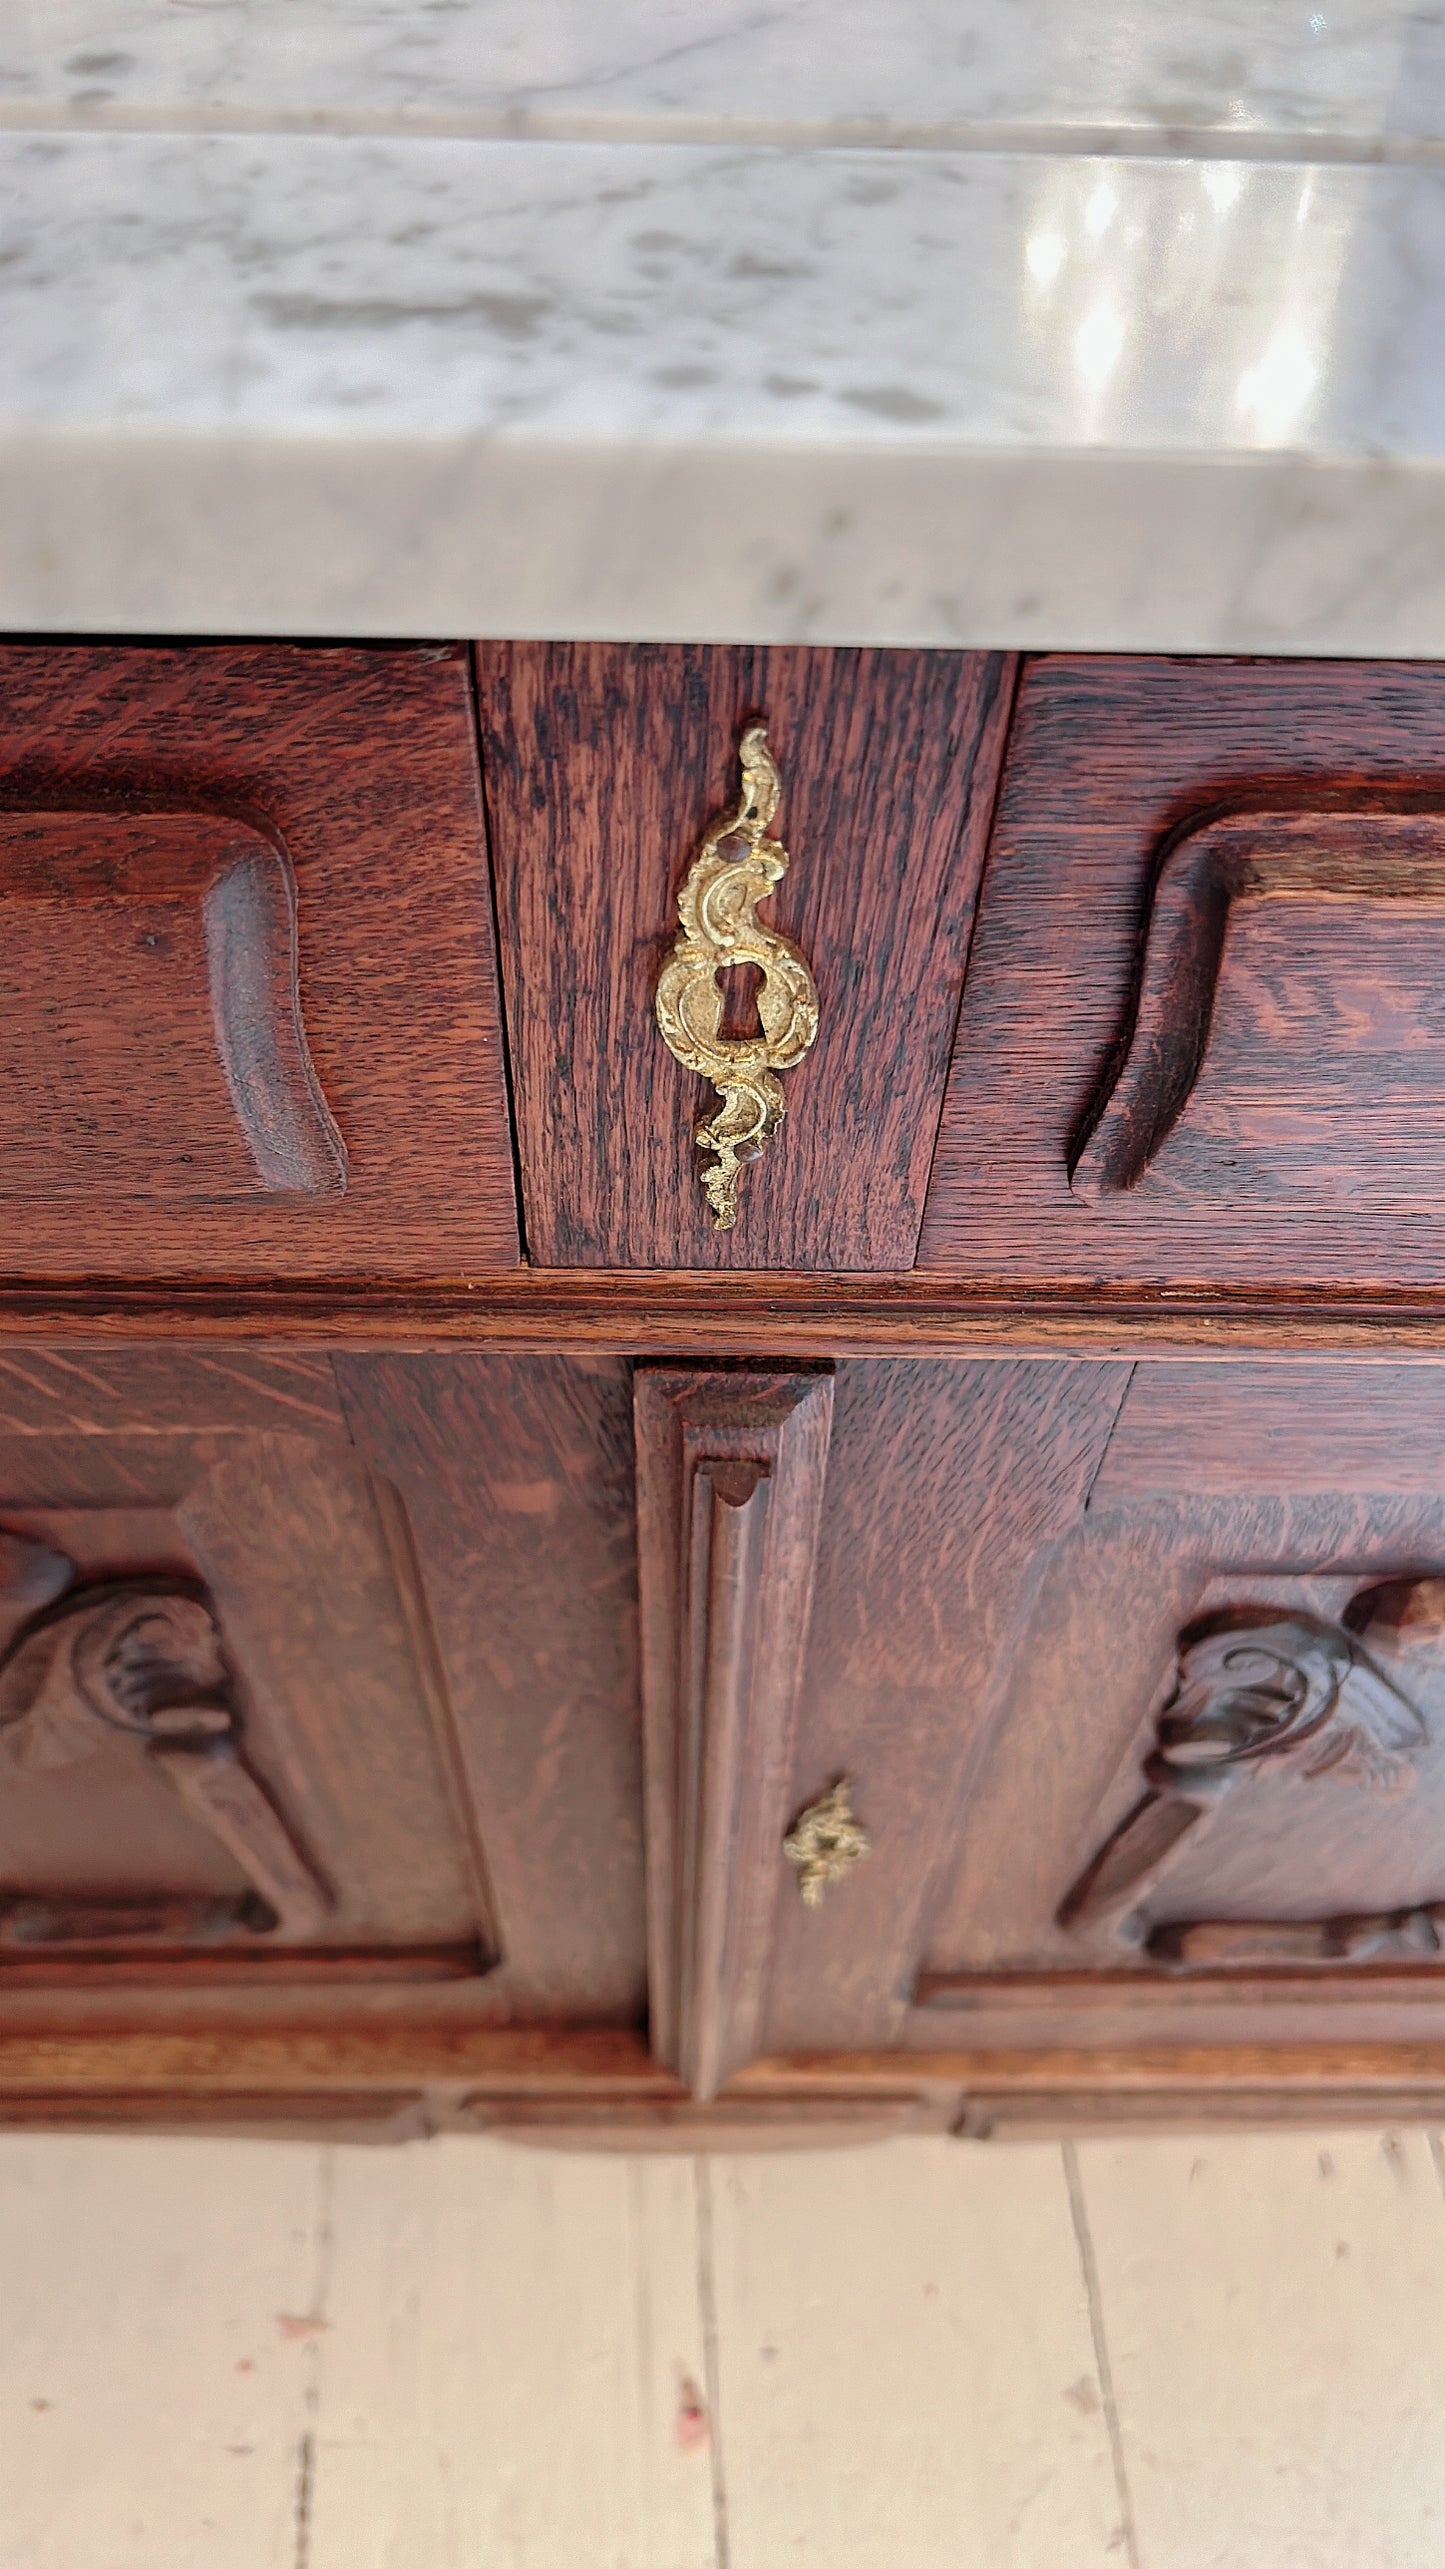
(1089, 2267)
(712, 2387)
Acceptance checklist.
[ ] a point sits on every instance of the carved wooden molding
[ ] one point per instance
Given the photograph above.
(730, 1474)
(1364, 856)
(143, 1657)
(1255, 1686)
(244, 888)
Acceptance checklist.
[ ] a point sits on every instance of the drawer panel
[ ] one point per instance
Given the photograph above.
(604, 766)
(248, 1008)
(1202, 1039)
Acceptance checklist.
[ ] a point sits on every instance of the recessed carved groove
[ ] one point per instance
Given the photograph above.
(1253, 1687)
(145, 903)
(730, 1483)
(1363, 857)
(143, 1657)
(250, 914)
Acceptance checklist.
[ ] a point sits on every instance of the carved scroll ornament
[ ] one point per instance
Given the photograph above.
(718, 910)
(143, 1657)
(1254, 1687)
(1361, 857)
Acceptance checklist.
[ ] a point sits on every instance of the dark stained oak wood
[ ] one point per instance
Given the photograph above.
(788, 1318)
(1256, 1642)
(602, 765)
(730, 1479)
(76, 1392)
(1262, 1063)
(554, 2084)
(152, 1048)
(947, 1486)
(247, 968)
(233, 1598)
(531, 1663)
(1205, 979)
(517, 1480)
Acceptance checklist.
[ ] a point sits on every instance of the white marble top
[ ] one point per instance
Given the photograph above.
(1113, 323)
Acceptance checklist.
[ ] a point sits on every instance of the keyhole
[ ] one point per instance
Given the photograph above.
(740, 984)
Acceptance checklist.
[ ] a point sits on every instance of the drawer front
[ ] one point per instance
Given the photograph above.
(603, 768)
(1202, 1039)
(248, 1008)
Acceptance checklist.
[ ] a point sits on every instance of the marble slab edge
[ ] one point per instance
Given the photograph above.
(193, 533)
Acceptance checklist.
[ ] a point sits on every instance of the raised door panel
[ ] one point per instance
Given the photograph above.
(516, 1475)
(249, 1019)
(1201, 1042)
(225, 1749)
(948, 1486)
(1216, 1773)
(604, 766)
(832, 1563)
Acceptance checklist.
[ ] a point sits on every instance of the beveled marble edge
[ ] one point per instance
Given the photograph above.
(171, 534)
(306, 385)
(710, 69)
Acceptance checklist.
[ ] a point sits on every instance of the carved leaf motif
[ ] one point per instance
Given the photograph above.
(107, 1659)
(144, 1657)
(1253, 1687)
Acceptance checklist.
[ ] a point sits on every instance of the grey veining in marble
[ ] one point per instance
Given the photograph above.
(373, 380)
(1342, 70)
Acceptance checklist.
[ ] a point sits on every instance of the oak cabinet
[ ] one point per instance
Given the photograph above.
(484, 1643)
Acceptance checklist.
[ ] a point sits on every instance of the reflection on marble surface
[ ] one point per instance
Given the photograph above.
(583, 318)
(1348, 69)
(301, 383)
(690, 298)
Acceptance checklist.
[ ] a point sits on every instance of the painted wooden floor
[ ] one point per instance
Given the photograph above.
(1223, 2354)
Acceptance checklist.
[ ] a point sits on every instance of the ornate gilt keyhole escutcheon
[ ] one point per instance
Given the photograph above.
(737, 865)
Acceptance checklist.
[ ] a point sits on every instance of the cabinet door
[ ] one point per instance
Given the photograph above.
(321, 1671)
(1135, 1682)
(1214, 1769)
(834, 1570)
(225, 1749)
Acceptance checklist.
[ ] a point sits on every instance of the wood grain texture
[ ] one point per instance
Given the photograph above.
(1305, 1154)
(730, 1479)
(790, 1318)
(947, 1486)
(1166, 1567)
(1189, 1431)
(153, 1047)
(603, 764)
(280, 1532)
(1299, 1076)
(146, 1660)
(355, 770)
(517, 1479)
(1340, 1700)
